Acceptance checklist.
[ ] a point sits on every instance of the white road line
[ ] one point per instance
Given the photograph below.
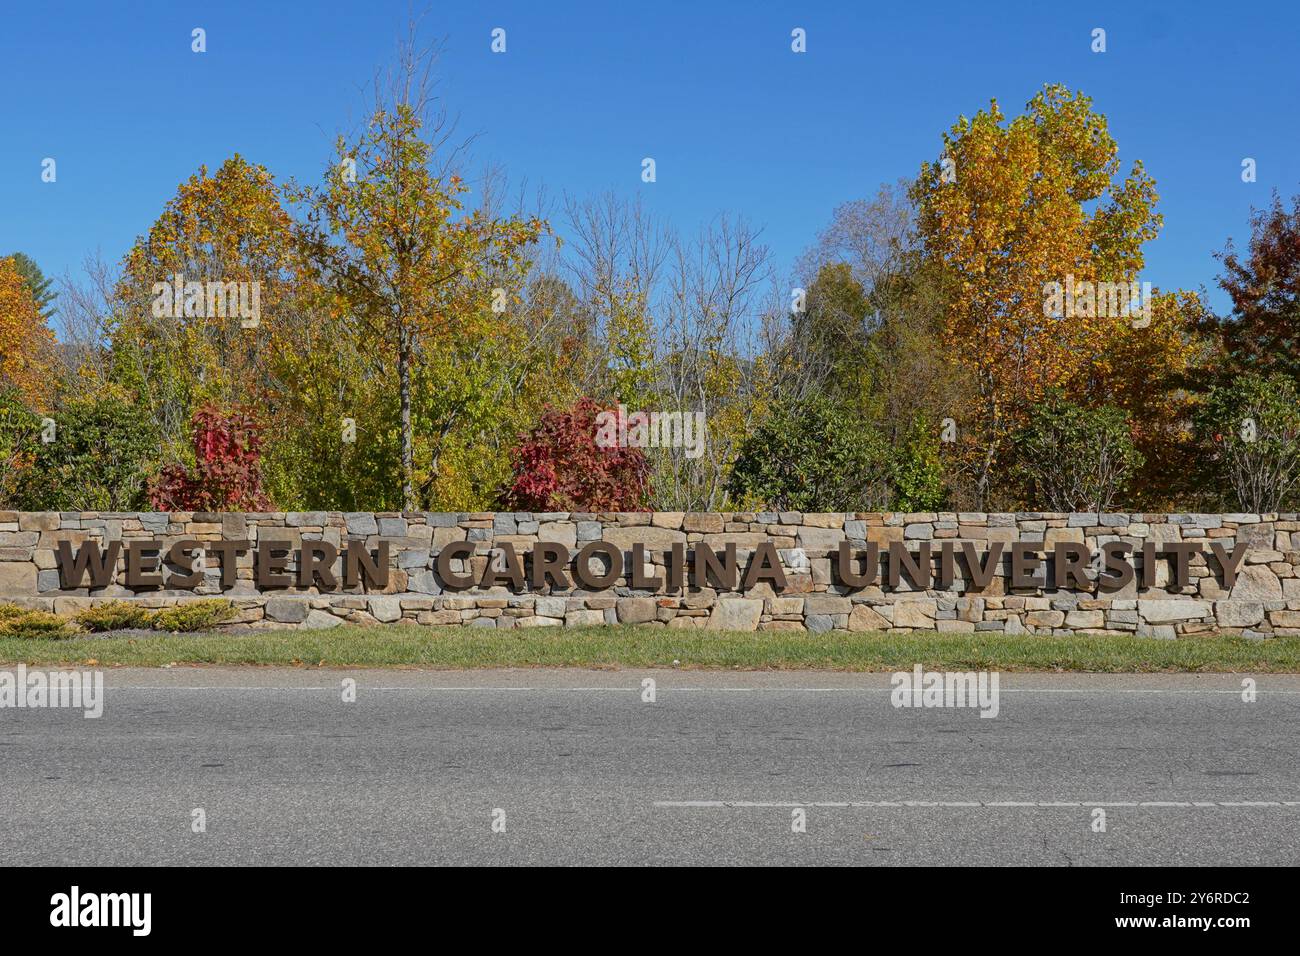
(986, 804)
(662, 688)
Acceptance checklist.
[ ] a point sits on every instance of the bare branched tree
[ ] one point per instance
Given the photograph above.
(873, 236)
(617, 248)
(710, 323)
(85, 320)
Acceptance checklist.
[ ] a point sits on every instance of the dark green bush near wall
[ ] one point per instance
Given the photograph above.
(916, 471)
(20, 430)
(99, 459)
(1074, 458)
(813, 456)
(1249, 429)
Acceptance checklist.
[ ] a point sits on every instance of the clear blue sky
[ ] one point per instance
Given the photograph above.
(711, 90)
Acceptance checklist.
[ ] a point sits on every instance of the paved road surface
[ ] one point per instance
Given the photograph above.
(710, 772)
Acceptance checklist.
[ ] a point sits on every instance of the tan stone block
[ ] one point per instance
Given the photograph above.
(954, 627)
(1085, 619)
(38, 521)
(636, 610)
(1054, 535)
(784, 605)
(703, 523)
(915, 613)
(445, 617)
(71, 605)
(827, 604)
(17, 578)
(445, 536)
(51, 539)
(884, 535)
(866, 618)
(1045, 618)
(653, 539)
(830, 520)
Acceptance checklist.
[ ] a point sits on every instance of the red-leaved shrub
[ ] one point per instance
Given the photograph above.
(227, 472)
(559, 467)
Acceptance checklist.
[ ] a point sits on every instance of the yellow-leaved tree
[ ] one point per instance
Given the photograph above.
(1008, 209)
(389, 233)
(201, 296)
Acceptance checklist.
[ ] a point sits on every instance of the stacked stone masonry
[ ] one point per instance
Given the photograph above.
(1263, 601)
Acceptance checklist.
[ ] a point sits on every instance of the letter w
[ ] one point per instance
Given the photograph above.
(102, 564)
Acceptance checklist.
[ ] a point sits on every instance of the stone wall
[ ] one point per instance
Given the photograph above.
(1263, 601)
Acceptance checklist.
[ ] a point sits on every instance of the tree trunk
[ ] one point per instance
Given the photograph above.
(985, 480)
(408, 439)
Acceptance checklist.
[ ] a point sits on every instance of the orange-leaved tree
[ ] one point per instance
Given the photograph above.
(28, 349)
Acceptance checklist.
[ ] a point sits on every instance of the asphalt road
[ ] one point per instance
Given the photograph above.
(712, 771)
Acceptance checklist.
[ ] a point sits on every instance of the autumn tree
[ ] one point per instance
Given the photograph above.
(1150, 369)
(1263, 332)
(388, 230)
(1008, 208)
(228, 239)
(333, 445)
(28, 349)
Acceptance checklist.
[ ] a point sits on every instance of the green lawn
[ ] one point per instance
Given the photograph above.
(610, 647)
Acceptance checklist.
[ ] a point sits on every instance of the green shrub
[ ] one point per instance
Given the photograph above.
(813, 456)
(20, 431)
(115, 616)
(1250, 429)
(1074, 458)
(100, 459)
(916, 471)
(35, 624)
(195, 616)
